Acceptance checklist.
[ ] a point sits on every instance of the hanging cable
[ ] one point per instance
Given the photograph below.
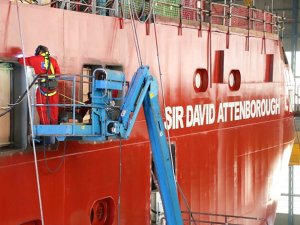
(161, 87)
(61, 161)
(120, 169)
(162, 90)
(31, 120)
(186, 204)
(136, 40)
(19, 100)
(164, 107)
(142, 13)
(151, 5)
(120, 183)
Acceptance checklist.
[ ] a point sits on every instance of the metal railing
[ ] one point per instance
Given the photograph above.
(70, 99)
(223, 219)
(226, 14)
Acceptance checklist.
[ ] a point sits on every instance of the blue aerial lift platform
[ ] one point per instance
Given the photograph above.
(143, 90)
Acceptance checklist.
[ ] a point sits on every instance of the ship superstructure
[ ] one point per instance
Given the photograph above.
(224, 75)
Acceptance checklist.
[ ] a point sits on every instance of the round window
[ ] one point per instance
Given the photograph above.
(197, 80)
(231, 80)
(234, 80)
(200, 80)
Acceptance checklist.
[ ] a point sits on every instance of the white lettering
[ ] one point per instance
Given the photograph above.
(237, 111)
(179, 117)
(211, 114)
(220, 114)
(201, 113)
(205, 114)
(168, 122)
(189, 116)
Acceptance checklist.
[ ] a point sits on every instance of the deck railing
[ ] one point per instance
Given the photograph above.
(222, 219)
(227, 14)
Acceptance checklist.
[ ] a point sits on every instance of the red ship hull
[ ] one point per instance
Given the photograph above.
(230, 167)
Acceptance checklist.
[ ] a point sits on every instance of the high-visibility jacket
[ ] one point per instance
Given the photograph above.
(40, 64)
(47, 114)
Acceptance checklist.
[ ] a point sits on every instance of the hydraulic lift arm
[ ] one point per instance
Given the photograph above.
(143, 90)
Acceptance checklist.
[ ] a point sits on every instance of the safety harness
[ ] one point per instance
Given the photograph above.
(49, 82)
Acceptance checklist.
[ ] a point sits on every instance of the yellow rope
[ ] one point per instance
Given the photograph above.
(82, 103)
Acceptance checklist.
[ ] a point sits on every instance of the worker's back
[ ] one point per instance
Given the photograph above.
(38, 64)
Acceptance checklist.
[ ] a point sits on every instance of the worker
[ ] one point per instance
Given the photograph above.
(46, 67)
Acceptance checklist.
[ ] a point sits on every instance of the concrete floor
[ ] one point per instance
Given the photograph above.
(282, 219)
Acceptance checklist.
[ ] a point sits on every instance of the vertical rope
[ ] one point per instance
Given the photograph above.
(210, 46)
(162, 89)
(136, 40)
(120, 183)
(120, 168)
(164, 107)
(31, 120)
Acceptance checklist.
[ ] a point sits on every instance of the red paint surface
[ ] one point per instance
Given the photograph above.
(226, 168)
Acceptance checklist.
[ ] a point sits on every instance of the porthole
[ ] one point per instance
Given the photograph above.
(102, 212)
(200, 80)
(234, 80)
(231, 80)
(197, 80)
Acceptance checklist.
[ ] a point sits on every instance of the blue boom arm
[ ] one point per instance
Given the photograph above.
(143, 90)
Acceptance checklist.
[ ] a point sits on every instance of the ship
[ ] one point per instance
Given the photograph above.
(227, 89)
